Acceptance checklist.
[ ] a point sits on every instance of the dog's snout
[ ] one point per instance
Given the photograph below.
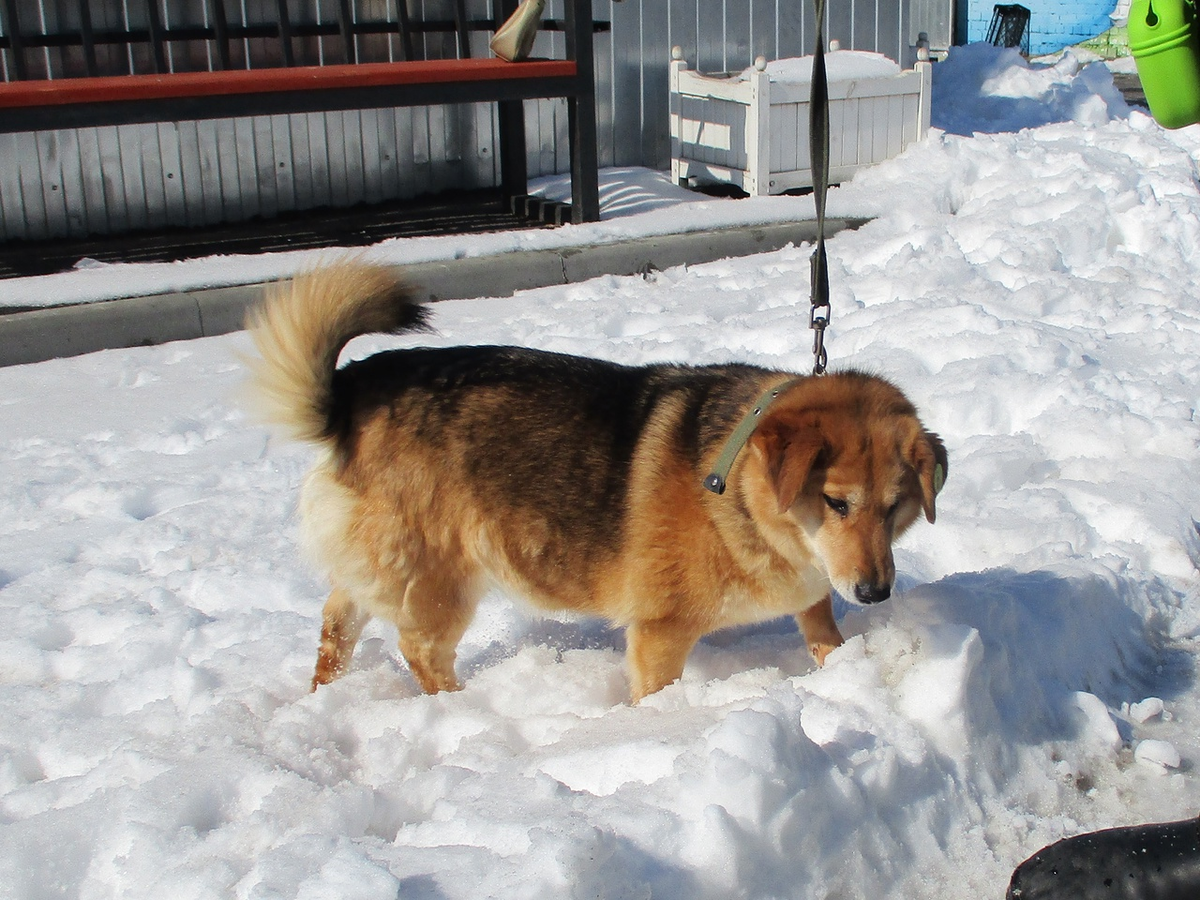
(868, 593)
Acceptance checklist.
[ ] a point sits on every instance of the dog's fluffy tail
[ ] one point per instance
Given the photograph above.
(302, 326)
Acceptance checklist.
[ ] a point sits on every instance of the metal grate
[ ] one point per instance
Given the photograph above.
(462, 212)
(1009, 27)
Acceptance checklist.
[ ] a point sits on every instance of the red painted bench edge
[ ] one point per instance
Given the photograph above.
(63, 91)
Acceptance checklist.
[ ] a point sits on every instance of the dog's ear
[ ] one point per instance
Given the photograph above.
(927, 456)
(790, 449)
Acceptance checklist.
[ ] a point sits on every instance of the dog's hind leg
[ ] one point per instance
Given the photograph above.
(436, 612)
(342, 624)
(656, 652)
(820, 629)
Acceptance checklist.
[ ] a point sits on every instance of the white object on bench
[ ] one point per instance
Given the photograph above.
(750, 128)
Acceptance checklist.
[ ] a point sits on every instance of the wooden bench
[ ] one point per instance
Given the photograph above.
(99, 100)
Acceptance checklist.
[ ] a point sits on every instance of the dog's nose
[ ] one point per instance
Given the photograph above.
(867, 593)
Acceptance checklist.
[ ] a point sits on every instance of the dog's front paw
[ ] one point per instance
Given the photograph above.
(820, 629)
(821, 649)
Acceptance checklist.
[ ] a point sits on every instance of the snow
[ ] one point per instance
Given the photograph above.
(1145, 710)
(840, 65)
(1157, 753)
(1029, 281)
(980, 88)
(634, 203)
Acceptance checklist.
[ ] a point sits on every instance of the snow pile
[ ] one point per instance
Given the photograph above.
(982, 88)
(840, 65)
(1031, 289)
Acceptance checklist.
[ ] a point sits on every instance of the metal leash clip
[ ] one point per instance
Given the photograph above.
(818, 319)
(820, 312)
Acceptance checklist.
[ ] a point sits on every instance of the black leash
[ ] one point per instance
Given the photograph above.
(818, 128)
(818, 144)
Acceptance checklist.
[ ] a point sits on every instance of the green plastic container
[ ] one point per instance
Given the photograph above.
(1166, 48)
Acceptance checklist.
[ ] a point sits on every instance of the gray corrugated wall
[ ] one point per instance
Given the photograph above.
(104, 180)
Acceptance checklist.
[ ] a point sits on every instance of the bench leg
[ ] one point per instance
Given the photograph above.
(581, 115)
(585, 178)
(514, 178)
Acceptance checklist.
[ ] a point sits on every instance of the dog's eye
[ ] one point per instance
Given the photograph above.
(893, 509)
(841, 507)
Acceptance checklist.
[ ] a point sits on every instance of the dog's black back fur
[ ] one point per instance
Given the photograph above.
(561, 431)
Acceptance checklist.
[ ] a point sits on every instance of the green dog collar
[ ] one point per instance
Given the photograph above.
(715, 482)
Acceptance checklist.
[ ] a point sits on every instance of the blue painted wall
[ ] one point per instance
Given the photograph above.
(1053, 24)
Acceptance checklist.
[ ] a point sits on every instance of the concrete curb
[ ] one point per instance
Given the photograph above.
(37, 335)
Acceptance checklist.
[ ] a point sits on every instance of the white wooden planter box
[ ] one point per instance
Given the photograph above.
(753, 132)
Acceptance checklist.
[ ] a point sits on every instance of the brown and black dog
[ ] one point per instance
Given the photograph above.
(577, 483)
